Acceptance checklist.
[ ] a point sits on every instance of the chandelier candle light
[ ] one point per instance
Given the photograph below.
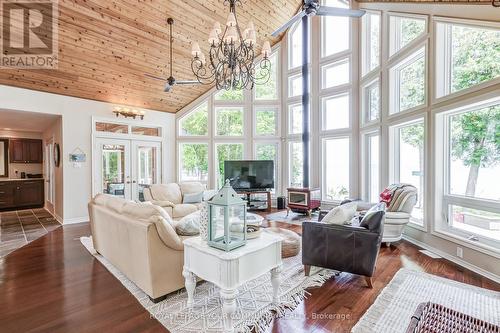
(230, 62)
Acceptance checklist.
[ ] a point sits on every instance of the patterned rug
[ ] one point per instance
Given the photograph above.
(255, 309)
(292, 218)
(395, 305)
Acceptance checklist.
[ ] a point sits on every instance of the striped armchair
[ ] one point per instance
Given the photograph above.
(403, 199)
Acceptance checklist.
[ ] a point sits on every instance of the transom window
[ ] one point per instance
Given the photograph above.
(404, 30)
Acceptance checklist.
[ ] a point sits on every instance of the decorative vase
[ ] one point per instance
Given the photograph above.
(204, 221)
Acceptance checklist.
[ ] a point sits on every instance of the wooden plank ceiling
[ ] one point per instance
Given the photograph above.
(106, 46)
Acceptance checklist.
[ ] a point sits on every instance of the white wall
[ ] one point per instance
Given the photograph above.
(77, 116)
(57, 206)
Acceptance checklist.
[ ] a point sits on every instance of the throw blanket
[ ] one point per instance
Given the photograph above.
(396, 195)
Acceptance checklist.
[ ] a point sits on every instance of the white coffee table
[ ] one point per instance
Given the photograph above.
(230, 270)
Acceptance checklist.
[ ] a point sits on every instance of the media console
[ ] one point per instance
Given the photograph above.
(251, 192)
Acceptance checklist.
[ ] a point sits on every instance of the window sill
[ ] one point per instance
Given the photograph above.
(417, 226)
(476, 246)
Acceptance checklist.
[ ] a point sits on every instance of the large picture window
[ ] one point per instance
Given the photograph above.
(196, 122)
(472, 195)
(229, 121)
(226, 152)
(466, 55)
(404, 30)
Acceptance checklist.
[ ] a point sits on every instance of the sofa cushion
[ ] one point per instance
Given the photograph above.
(167, 192)
(340, 214)
(182, 210)
(192, 198)
(144, 211)
(110, 201)
(374, 218)
(191, 187)
(189, 225)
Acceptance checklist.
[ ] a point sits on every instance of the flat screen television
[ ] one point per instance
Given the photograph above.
(250, 175)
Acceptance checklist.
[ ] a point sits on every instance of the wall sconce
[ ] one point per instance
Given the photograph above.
(128, 113)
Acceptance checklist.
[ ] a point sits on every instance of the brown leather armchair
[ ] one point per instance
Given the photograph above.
(353, 249)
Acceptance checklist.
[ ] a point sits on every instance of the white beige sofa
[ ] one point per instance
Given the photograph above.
(140, 240)
(170, 197)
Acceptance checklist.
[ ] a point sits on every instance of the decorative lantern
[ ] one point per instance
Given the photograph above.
(227, 220)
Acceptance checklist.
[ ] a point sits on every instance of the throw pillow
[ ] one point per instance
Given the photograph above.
(193, 198)
(189, 225)
(341, 214)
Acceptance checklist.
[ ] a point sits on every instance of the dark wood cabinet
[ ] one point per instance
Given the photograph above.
(20, 194)
(25, 151)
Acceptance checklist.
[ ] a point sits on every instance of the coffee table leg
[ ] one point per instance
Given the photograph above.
(276, 281)
(228, 308)
(190, 284)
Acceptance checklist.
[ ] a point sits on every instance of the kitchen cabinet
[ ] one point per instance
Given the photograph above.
(21, 194)
(25, 151)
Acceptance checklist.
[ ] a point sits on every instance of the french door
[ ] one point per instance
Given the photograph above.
(125, 167)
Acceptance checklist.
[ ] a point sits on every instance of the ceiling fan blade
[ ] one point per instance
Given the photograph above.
(155, 77)
(289, 23)
(187, 82)
(333, 11)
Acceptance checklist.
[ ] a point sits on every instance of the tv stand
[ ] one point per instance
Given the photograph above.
(249, 194)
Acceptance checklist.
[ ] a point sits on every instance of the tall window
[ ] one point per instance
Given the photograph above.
(466, 55)
(229, 121)
(336, 156)
(370, 42)
(295, 163)
(408, 155)
(335, 111)
(338, 24)
(372, 166)
(370, 104)
(336, 74)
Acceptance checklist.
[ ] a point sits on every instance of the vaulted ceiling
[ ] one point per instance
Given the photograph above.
(106, 46)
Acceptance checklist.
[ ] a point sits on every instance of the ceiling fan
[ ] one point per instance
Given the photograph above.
(312, 8)
(171, 81)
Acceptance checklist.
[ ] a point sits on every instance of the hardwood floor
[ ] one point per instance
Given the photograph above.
(54, 285)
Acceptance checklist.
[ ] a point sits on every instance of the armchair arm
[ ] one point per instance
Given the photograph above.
(163, 203)
(340, 247)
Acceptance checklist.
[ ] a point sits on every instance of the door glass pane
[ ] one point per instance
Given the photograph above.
(411, 163)
(227, 152)
(335, 74)
(111, 128)
(296, 157)
(336, 172)
(113, 170)
(336, 112)
(193, 161)
(147, 169)
(475, 153)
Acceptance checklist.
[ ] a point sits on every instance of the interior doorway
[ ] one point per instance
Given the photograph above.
(49, 174)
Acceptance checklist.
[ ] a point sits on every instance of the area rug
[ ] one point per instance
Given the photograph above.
(395, 305)
(255, 309)
(292, 218)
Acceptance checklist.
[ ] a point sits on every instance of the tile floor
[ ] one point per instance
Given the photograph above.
(18, 228)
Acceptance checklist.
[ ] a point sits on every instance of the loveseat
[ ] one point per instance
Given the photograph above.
(140, 240)
(171, 197)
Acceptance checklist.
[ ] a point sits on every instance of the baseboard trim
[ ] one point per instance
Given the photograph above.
(455, 260)
(76, 220)
(58, 218)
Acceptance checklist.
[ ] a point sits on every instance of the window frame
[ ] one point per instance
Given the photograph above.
(365, 102)
(443, 83)
(411, 45)
(324, 98)
(394, 159)
(334, 63)
(187, 114)
(366, 152)
(444, 200)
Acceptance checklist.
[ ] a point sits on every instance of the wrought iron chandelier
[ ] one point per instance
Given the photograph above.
(231, 57)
